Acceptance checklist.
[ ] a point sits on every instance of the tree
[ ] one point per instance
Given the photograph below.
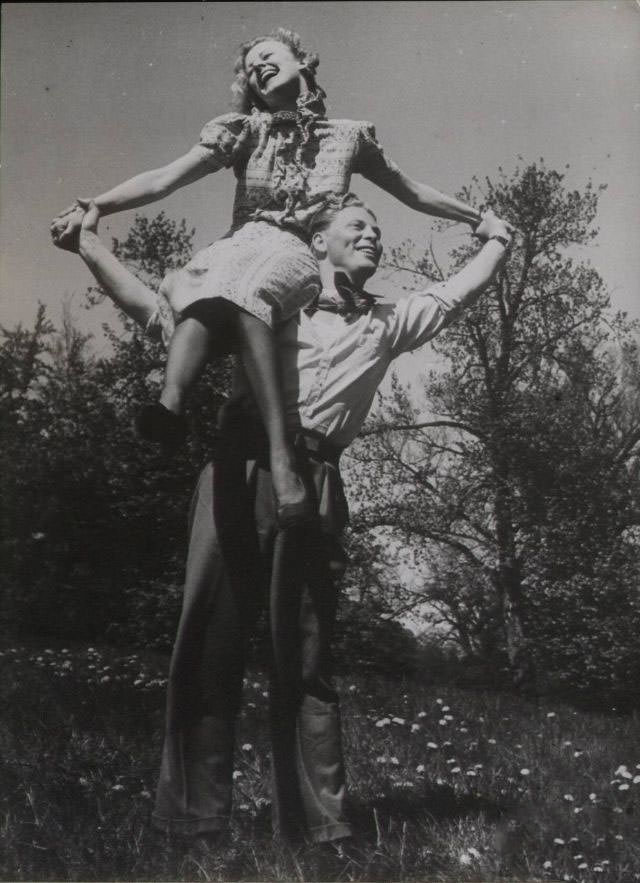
(94, 520)
(525, 471)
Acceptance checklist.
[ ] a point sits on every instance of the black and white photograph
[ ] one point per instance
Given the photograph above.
(320, 441)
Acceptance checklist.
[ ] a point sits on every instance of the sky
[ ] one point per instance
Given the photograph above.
(93, 93)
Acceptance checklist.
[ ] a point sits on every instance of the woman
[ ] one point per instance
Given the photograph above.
(287, 156)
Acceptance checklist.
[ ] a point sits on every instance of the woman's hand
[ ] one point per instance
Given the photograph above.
(90, 215)
(65, 227)
(492, 225)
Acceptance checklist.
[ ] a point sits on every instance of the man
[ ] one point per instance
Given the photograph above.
(333, 358)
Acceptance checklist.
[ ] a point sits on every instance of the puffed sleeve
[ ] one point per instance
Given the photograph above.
(221, 140)
(372, 162)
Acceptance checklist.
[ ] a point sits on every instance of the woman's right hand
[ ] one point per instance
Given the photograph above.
(492, 225)
(65, 227)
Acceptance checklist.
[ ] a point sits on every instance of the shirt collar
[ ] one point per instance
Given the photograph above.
(344, 298)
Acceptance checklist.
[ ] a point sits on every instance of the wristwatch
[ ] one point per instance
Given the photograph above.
(501, 239)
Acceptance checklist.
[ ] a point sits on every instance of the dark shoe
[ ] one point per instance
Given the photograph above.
(158, 424)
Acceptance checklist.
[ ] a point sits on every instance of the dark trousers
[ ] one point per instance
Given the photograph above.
(231, 569)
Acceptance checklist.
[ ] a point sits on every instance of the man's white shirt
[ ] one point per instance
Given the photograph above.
(332, 365)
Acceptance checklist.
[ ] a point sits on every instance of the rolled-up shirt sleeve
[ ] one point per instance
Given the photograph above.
(423, 314)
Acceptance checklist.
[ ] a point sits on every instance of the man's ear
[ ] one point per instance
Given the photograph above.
(319, 244)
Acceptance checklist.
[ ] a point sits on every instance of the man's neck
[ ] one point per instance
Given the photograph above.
(328, 276)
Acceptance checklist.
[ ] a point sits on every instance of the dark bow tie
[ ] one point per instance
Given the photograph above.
(350, 301)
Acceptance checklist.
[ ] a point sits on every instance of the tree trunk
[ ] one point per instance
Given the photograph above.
(510, 585)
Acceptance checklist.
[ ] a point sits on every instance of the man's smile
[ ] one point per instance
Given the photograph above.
(370, 250)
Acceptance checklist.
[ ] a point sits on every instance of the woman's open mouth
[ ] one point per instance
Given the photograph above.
(266, 74)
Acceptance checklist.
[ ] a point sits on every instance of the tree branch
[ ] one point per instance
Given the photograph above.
(429, 424)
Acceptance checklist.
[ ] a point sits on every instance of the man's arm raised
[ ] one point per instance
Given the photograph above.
(422, 315)
(125, 290)
(468, 283)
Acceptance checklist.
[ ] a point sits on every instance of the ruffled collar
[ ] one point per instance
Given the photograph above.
(310, 107)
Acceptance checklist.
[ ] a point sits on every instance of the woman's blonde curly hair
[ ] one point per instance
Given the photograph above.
(244, 99)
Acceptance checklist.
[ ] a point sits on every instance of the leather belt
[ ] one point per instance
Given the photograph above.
(245, 437)
(318, 447)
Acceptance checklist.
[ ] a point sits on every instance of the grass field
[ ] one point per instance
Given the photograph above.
(446, 785)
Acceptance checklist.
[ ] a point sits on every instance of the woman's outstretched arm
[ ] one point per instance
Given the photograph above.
(374, 164)
(139, 190)
(154, 184)
(424, 198)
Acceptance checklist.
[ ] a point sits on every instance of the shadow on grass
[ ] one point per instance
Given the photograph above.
(437, 803)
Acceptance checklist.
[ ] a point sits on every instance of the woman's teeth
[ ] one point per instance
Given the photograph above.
(266, 75)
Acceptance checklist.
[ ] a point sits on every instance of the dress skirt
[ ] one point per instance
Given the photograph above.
(260, 268)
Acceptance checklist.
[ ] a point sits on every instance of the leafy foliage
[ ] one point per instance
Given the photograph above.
(505, 517)
(91, 515)
(522, 479)
(366, 642)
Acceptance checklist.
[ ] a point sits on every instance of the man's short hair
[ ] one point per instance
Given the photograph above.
(332, 205)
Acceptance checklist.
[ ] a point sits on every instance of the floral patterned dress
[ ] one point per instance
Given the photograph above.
(285, 163)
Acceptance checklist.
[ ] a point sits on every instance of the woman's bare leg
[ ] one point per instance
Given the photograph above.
(189, 352)
(189, 347)
(257, 349)
(259, 357)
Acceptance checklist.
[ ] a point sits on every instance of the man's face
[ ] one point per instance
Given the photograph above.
(353, 242)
